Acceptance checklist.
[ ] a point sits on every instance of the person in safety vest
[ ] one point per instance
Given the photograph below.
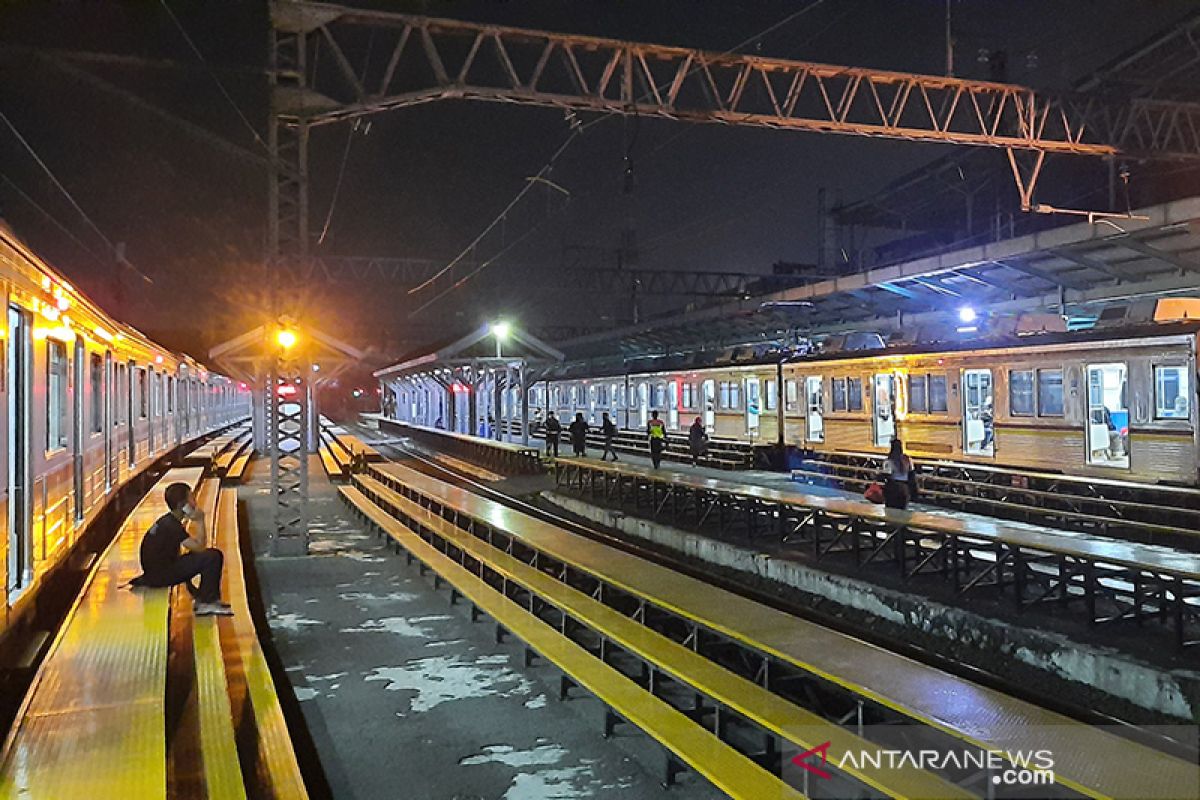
(656, 429)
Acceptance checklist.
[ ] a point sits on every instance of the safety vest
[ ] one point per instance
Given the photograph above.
(657, 429)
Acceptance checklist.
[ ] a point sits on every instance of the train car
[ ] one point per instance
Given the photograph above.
(89, 403)
(1115, 403)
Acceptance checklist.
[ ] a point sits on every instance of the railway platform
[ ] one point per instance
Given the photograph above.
(404, 695)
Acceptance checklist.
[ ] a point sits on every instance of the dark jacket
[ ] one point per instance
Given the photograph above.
(579, 431)
(609, 428)
(553, 427)
(697, 438)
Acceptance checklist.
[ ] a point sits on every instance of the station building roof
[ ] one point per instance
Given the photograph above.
(1075, 271)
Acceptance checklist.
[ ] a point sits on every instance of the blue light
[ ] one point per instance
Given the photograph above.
(967, 315)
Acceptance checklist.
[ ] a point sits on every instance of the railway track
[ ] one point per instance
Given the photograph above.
(423, 463)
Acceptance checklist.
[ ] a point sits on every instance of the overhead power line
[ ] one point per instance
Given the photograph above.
(54, 179)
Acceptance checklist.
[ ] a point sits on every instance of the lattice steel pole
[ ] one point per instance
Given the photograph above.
(286, 417)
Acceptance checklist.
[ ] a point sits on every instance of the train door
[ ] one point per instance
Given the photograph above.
(149, 409)
(884, 415)
(643, 397)
(710, 406)
(815, 398)
(130, 420)
(107, 423)
(673, 405)
(77, 428)
(979, 436)
(1108, 415)
(592, 404)
(18, 368)
(753, 407)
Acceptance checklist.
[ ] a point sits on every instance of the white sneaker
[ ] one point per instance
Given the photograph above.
(212, 610)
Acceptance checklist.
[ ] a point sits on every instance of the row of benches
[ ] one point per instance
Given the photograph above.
(341, 451)
(136, 698)
(508, 458)
(228, 454)
(1108, 580)
(518, 563)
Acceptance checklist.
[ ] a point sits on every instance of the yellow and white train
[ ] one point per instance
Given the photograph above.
(88, 404)
(1105, 403)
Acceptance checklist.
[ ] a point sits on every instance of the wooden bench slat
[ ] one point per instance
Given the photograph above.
(726, 768)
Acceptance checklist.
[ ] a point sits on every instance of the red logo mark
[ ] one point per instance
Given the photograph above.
(802, 760)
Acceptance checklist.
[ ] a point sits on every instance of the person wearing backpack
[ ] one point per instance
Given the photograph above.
(553, 432)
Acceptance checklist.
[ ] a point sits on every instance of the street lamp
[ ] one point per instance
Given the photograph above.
(286, 338)
(500, 330)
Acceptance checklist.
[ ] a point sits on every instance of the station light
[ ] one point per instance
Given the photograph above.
(501, 330)
(967, 315)
(316, 367)
(286, 338)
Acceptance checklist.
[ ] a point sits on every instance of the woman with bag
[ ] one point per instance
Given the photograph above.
(898, 473)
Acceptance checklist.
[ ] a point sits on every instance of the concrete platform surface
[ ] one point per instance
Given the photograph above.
(406, 698)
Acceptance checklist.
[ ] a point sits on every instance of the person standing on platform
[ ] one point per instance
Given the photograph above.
(553, 432)
(898, 473)
(163, 565)
(657, 431)
(609, 429)
(579, 432)
(697, 441)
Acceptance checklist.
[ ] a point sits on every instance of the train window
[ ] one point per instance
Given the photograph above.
(1050, 392)
(142, 393)
(56, 394)
(660, 396)
(723, 388)
(735, 394)
(170, 394)
(854, 401)
(790, 394)
(772, 399)
(96, 374)
(839, 393)
(687, 396)
(918, 398)
(1171, 393)
(937, 394)
(1020, 393)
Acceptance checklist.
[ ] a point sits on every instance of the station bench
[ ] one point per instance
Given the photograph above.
(94, 722)
(1088, 760)
(728, 691)
(504, 457)
(685, 741)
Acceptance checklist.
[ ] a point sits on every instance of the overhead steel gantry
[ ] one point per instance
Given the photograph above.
(436, 59)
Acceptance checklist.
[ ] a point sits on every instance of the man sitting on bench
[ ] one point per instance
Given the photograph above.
(162, 564)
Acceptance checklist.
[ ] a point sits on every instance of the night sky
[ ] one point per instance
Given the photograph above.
(423, 182)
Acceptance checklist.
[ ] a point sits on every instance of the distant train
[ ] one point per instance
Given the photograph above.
(89, 402)
(1105, 403)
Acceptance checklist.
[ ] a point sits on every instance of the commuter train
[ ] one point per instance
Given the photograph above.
(1106, 403)
(89, 403)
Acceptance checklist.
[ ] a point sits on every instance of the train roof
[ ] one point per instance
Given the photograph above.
(751, 355)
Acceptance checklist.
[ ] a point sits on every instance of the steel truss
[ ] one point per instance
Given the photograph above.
(438, 59)
(1104, 588)
(409, 272)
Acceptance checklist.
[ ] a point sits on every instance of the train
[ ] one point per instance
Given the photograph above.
(89, 403)
(1117, 403)
(1103, 403)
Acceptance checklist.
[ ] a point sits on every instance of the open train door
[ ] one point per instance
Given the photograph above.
(815, 398)
(78, 442)
(978, 413)
(673, 405)
(753, 405)
(710, 406)
(19, 382)
(884, 411)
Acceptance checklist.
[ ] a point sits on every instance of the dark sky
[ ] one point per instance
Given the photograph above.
(422, 182)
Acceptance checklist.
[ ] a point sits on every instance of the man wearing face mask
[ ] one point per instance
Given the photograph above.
(162, 563)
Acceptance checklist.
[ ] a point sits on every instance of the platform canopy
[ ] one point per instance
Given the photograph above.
(493, 343)
(1075, 271)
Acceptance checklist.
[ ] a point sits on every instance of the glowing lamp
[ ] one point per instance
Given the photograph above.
(967, 315)
(286, 339)
(501, 330)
